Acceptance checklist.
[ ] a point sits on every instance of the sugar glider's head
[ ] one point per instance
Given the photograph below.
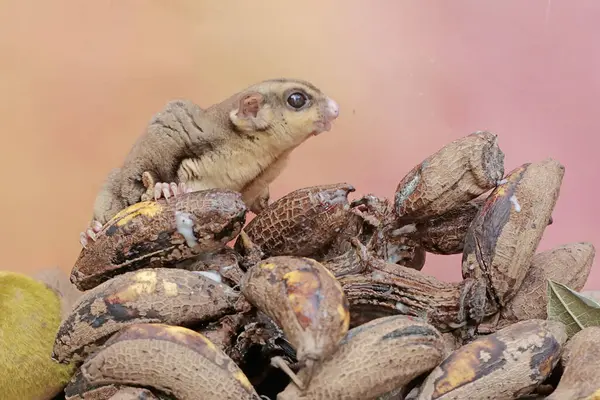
(290, 108)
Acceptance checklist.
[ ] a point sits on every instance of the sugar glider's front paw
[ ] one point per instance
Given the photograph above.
(156, 190)
(168, 190)
(90, 233)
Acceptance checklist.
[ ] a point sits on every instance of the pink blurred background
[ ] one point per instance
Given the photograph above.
(80, 80)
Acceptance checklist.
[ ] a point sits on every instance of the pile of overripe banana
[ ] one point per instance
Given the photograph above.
(323, 298)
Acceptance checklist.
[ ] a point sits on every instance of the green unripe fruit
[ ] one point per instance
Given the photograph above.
(30, 314)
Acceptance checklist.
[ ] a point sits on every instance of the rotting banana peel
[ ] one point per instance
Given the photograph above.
(457, 173)
(30, 313)
(159, 295)
(172, 359)
(300, 223)
(80, 389)
(505, 365)
(374, 359)
(160, 234)
(503, 237)
(569, 264)
(305, 300)
(581, 360)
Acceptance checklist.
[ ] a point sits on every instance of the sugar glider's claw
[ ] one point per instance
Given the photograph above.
(168, 190)
(90, 233)
(83, 239)
(96, 226)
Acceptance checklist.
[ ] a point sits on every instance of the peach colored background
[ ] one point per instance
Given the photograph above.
(79, 80)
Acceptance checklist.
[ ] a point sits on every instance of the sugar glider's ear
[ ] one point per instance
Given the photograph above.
(252, 113)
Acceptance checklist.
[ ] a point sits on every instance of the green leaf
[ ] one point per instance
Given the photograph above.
(571, 308)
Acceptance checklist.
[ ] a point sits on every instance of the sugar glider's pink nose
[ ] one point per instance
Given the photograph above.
(333, 109)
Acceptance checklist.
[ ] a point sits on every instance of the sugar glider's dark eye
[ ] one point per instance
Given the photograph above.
(297, 100)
